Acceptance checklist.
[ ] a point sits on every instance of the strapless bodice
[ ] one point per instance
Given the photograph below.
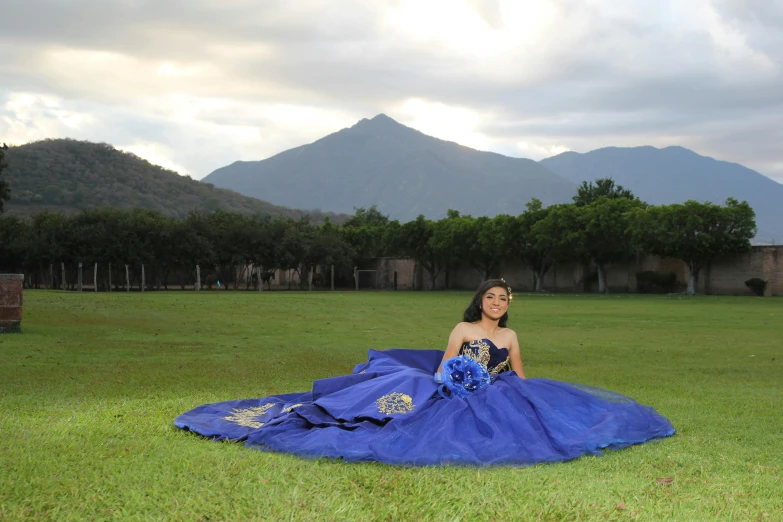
(484, 351)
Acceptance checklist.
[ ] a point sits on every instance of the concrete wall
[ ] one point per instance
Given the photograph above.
(723, 277)
(406, 273)
(728, 276)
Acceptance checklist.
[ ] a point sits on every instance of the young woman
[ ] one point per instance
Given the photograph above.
(484, 323)
(406, 407)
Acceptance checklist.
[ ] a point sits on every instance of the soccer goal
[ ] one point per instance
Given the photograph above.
(368, 279)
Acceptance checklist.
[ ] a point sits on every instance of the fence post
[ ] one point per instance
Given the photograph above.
(142, 277)
(109, 277)
(79, 284)
(127, 279)
(356, 277)
(197, 286)
(62, 268)
(332, 278)
(51, 276)
(260, 277)
(310, 279)
(95, 278)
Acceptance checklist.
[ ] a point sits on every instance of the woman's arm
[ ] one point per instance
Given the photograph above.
(455, 343)
(515, 356)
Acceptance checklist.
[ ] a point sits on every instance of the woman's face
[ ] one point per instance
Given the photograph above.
(494, 303)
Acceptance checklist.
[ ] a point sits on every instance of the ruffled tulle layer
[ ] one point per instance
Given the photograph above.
(389, 410)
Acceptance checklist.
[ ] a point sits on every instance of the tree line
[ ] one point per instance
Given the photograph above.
(605, 224)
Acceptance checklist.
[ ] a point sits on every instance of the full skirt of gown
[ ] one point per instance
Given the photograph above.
(389, 410)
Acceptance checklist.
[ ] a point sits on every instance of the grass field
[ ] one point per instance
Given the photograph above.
(89, 391)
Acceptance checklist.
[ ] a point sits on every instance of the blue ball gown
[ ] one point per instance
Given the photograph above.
(389, 410)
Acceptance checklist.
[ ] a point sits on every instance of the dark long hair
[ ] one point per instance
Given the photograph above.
(473, 311)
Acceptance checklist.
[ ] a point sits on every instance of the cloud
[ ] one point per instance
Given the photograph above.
(197, 85)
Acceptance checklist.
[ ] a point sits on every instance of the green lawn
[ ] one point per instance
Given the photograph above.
(89, 391)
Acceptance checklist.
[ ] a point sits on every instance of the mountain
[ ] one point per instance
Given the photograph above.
(66, 175)
(399, 169)
(675, 175)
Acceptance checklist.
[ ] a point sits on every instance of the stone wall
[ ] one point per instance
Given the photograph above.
(11, 301)
(728, 276)
(407, 277)
(723, 277)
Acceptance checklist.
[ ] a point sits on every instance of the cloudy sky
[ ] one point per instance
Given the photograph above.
(194, 85)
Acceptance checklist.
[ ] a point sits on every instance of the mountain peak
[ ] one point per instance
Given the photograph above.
(379, 121)
(383, 118)
(382, 162)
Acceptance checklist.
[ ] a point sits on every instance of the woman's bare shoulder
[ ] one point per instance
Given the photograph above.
(462, 330)
(463, 326)
(510, 334)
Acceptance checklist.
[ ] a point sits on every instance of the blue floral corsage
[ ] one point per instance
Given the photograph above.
(462, 376)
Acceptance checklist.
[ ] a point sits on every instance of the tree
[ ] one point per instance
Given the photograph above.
(558, 234)
(392, 239)
(231, 235)
(604, 187)
(328, 247)
(364, 231)
(524, 244)
(196, 246)
(5, 190)
(366, 217)
(414, 239)
(48, 241)
(189, 245)
(268, 246)
(14, 237)
(294, 246)
(489, 242)
(604, 225)
(450, 238)
(694, 232)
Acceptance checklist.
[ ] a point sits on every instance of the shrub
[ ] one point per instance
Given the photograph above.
(652, 282)
(756, 285)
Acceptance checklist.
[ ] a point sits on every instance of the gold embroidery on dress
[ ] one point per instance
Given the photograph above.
(478, 350)
(290, 408)
(395, 403)
(247, 416)
(500, 367)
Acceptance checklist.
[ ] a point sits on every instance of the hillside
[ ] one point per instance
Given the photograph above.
(676, 174)
(402, 171)
(67, 175)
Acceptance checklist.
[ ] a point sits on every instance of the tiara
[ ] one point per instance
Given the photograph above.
(510, 295)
